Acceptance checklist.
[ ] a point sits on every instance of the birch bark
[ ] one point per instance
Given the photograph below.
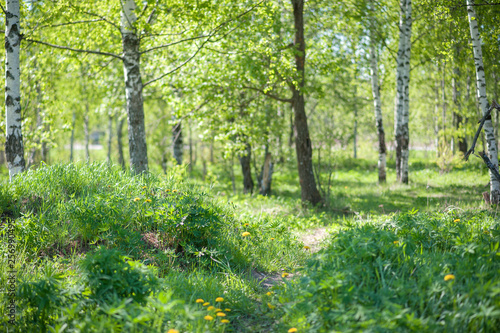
(133, 89)
(405, 131)
(400, 69)
(14, 148)
(481, 96)
(378, 109)
(177, 142)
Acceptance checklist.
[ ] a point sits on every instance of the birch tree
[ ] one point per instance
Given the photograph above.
(14, 149)
(483, 101)
(133, 88)
(377, 104)
(402, 109)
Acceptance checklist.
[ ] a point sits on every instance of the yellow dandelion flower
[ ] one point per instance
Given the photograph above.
(227, 310)
(269, 293)
(246, 224)
(206, 303)
(221, 314)
(307, 247)
(270, 306)
(395, 242)
(246, 233)
(208, 318)
(219, 299)
(199, 300)
(167, 190)
(449, 277)
(456, 220)
(144, 187)
(137, 199)
(174, 191)
(211, 307)
(147, 200)
(284, 275)
(172, 331)
(224, 321)
(272, 238)
(218, 310)
(346, 189)
(291, 330)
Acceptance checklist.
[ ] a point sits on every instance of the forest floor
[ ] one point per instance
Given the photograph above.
(219, 263)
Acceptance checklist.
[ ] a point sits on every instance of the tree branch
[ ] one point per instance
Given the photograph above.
(490, 165)
(69, 23)
(173, 43)
(3, 9)
(481, 123)
(286, 100)
(75, 50)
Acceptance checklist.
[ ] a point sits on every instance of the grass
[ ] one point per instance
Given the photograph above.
(100, 250)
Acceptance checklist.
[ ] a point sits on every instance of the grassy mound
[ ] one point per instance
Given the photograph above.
(97, 249)
(416, 272)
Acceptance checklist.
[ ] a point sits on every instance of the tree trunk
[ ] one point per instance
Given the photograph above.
(110, 136)
(191, 161)
(72, 139)
(177, 143)
(355, 127)
(246, 170)
(119, 135)
(378, 109)
(481, 95)
(303, 146)
(405, 142)
(133, 89)
(86, 130)
(266, 176)
(400, 70)
(462, 141)
(14, 148)
(443, 101)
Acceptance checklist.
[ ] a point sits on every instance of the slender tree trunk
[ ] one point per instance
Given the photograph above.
(405, 142)
(72, 139)
(212, 150)
(303, 146)
(378, 109)
(177, 143)
(497, 113)
(246, 169)
(481, 95)
(110, 136)
(14, 148)
(191, 161)
(119, 135)
(400, 71)
(462, 141)
(266, 176)
(443, 101)
(86, 130)
(133, 89)
(355, 127)
(233, 179)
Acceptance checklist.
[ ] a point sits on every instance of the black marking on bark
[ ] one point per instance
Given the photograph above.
(9, 101)
(13, 148)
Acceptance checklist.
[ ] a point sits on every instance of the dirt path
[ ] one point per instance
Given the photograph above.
(311, 238)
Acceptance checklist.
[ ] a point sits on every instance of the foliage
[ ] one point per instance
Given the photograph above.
(412, 272)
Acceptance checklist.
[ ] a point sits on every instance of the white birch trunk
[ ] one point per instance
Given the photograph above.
(405, 131)
(481, 96)
(72, 139)
(133, 89)
(14, 148)
(400, 70)
(378, 110)
(177, 142)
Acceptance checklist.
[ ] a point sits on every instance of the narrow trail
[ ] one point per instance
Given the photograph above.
(311, 238)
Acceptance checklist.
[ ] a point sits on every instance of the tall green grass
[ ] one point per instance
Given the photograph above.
(413, 272)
